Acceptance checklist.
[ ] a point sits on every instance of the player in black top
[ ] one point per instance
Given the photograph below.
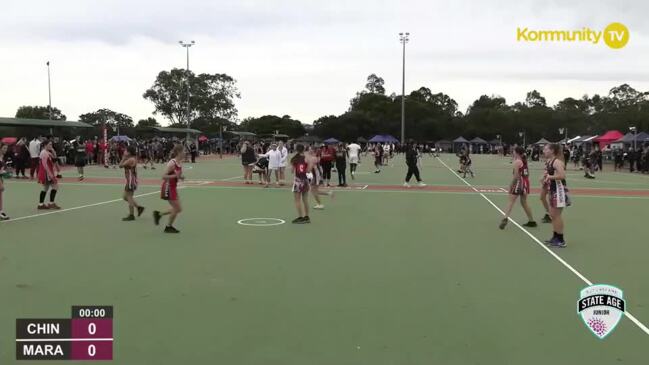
(79, 156)
(559, 199)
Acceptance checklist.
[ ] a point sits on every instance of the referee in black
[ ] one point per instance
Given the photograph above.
(412, 157)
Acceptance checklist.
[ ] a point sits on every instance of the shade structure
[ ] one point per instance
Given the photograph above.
(478, 140)
(383, 138)
(460, 139)
(24, 122)
(307, 139)
(361, 140)
(495, 142)
(542, 142)
(331, 141)
(120, 139)
(609, 137)
(629, 138)
(176, 130)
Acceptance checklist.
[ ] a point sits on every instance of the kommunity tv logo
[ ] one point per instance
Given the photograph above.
(615, 35)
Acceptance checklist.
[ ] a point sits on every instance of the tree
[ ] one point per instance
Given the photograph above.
(147, 123)
(534, 99)
(375, 84)
(111, 118)
(211, 96)
(39, 112)
(269, 124)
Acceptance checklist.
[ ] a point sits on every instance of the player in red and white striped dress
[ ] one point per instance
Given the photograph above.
(129, 164)
(169, 189)
(520, 187)
(47, 176)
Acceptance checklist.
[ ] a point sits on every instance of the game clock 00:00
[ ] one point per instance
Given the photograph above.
(88, 335)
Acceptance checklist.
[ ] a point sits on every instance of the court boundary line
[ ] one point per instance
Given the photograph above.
(76, 208)
(547, 249)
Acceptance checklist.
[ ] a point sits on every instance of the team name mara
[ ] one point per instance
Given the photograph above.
(42, 350)
(582, 35)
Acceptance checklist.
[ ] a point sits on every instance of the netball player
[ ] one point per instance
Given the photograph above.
(282, 163)
(3, 151)
(465, 164)
(79, 156)
(315, 176)
(559, 199)
(129, 164)
(169, 190)
(47, 176)
(378, 157)
(301, 185)
(354, 151)
(545, 189)
(520, 187)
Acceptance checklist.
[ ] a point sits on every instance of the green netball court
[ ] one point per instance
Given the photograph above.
(384, 275)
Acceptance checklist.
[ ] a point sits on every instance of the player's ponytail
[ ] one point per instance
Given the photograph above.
(299, 150)
(177, 150)
(521, 152)
(557, 151)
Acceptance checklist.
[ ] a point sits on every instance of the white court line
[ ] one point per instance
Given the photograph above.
(76, 208)
(63, 339)
(232, 178)
(562, 261)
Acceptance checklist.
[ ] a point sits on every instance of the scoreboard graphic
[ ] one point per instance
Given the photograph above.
(88, 335)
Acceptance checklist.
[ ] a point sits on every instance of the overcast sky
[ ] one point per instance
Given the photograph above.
(307, 58)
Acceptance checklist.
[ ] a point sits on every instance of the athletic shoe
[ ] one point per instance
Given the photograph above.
(421, 184)
(171, 229)
(406, 185)
(129, 218)
(530, 224)
(546, 219)
(81, 178)
(156, 217)
(558, 243)
(53, 206)
(551, 241)
(319, 207)
(43, 207)
(503, 223)
(306, 220)
(3, 216)
(297, 220)
(140, 210)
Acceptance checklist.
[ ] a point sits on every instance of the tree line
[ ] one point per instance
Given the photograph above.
(429, 116)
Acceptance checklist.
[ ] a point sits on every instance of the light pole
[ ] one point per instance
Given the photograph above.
(522, 135)
(49, 91)
(403, 38)
(634, 130)
(187, 45)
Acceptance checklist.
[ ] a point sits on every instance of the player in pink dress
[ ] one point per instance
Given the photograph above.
(47, 176)
(520, 187)
(129, 164)
(169, 189)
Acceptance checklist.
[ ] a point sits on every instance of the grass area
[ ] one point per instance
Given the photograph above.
(382, 276)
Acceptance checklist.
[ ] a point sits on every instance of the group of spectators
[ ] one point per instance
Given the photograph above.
(23, 155)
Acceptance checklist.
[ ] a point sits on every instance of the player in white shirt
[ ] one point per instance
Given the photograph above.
(354, 157)
(274, 162)
(34, 153)
(283, 161)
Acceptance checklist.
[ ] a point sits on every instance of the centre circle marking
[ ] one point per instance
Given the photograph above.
(261, 222)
